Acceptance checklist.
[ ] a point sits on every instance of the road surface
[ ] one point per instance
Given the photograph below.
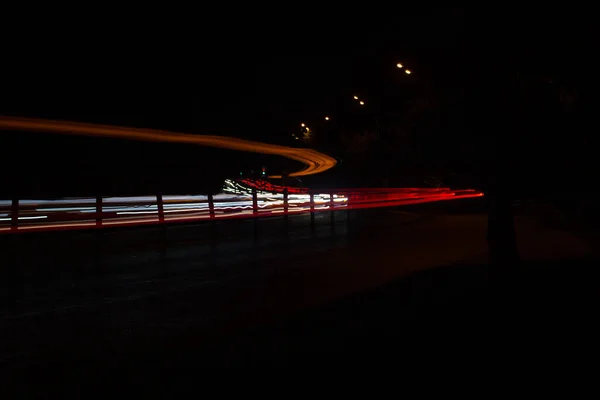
(60, 279)
(138, 305)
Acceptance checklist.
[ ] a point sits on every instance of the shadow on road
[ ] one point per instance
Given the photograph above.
(430, 313)
(546, 309)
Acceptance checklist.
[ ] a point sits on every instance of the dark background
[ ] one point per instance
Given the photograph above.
(499, 79)
(502, 99)
(227, 73)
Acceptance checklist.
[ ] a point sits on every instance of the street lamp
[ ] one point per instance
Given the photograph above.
(355, 97)
(302, 125)
(399, 65)
(408, 72)
(326, 118)
(362, 103)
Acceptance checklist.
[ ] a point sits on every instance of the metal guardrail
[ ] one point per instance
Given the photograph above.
(253, 202)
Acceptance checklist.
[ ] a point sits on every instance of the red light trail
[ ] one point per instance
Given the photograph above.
(236, 201)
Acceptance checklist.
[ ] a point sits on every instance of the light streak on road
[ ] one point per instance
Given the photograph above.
(314, 161)
(24, 218)
(235, 202)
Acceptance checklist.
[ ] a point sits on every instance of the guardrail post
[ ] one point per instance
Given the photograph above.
(163, 228)
(254, 202)
(348, 211)
(331, 205)
(312, 212)
(14, 214)
(98, 237)
(211, 206)
(213, 223)
(255, 213)
(98, 211)
(161, 208)
(285, 211)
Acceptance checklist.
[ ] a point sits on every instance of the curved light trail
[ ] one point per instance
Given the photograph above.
(236, 201)
(314, 161)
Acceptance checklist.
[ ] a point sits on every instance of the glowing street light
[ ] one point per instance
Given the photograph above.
(362, 103)
(408, 72)
(326, 118)
(399, 65)
(355, 97)
(302, 125)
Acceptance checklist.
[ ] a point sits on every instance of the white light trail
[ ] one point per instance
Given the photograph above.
(36, 217)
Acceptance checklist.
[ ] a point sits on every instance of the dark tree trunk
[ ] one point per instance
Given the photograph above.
(496, 118)
(500, 184)
(501, 237)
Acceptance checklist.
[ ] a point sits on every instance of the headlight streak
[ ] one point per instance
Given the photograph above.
(235, 201)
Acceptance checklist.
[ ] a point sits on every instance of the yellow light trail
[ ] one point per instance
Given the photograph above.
(314, 161)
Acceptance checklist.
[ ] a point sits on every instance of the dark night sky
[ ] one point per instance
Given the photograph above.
(257, 72)
(237, 75)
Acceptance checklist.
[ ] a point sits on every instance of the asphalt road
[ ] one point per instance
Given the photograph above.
(84, 294)
(391, 283)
